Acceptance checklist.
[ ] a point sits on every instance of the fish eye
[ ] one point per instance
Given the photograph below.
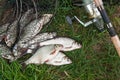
(68, 59)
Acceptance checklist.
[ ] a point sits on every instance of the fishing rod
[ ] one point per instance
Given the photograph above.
(99, 17)
(114, 37)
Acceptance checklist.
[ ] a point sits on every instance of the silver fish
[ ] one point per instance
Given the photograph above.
(11, 34)
(68, 44)
(59, 59)
(44, 54)
(26, 18)
(34, 28)
(3, 30)
(31, 46)
(39, 38)
(31, 30)
(6, 53)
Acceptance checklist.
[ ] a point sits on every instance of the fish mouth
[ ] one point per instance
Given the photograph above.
(9, 57)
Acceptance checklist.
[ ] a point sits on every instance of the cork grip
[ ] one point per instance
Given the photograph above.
(116, 43)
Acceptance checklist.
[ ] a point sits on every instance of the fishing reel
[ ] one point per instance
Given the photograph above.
(93, 12)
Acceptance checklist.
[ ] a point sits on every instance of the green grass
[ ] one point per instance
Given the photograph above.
(96, 60)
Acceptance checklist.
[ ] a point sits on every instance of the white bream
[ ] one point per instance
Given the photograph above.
(68, 43)
(44, 54)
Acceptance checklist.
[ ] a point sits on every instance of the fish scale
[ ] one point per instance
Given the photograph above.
(12, 31)
(39, 38)
(11, 34)
(44, 54)
(31, 46)
(30, 31)
(34, 28)
(68, 43)
(26, 18)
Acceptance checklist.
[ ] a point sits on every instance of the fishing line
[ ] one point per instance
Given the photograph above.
(17, 8)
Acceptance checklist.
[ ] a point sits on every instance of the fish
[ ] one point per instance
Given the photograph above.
(34, 28)
(31, 30)
(68, 43)
(3, 30)
(59, 59)
(39, 38)
(42, 37)
(6, 53)
(31, 46)
(11, 34)
(26, 18)
(44, 54)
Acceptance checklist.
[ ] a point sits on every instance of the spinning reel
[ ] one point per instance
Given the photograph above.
(93, 12)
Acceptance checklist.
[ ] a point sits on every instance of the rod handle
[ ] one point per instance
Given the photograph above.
(98, 2)
(116, 42)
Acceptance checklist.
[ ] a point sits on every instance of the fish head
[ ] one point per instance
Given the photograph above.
(23, 44)
(58, 46)
(16, 50)
(66, 60)
(73, 46)
(10, 57)
(63, 60)
(59, 59)
(8, 40)
(16, 53)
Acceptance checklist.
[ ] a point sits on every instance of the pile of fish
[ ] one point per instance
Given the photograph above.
(45, 48)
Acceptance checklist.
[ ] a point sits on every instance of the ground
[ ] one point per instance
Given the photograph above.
(96, 60)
